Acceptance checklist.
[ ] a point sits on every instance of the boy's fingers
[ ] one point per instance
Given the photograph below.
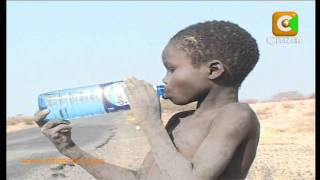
(62, 128)
(145, 84)
(52, 124)
(139, 83)
(150, 91)
(128, 93)
(134, 79)
(133, 89)
(129, 86)
(39, 117)
(125, 89)
(135, 82)
(129, 83)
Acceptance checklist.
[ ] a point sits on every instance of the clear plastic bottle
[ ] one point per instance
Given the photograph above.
(86, 101)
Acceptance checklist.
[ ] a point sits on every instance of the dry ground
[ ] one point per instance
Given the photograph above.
(287, 140)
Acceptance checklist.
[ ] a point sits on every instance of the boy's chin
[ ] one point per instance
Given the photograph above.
(178, 102)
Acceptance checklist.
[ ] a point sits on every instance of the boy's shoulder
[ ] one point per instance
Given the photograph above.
(240, 110)
(238, 115)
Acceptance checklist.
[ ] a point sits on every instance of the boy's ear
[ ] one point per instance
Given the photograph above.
(215, 69)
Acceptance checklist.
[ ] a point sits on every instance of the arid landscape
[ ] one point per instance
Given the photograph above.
(287, 138)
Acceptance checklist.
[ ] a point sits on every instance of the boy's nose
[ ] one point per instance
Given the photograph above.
(165, 80)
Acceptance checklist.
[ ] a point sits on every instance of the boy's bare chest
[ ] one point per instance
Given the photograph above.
(188, 135)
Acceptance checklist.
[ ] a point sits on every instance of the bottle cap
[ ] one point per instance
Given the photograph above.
(160, 90)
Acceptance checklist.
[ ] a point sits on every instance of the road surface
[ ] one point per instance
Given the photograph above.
(91, 134)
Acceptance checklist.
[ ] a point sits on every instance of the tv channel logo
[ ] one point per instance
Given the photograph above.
(285, 23)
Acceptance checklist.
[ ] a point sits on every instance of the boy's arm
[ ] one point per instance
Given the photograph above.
(212, 156)
(228, 130)
(99, 168)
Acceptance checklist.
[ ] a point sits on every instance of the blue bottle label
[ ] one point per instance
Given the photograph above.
(114, 93)
(114, 97)
(72, 103)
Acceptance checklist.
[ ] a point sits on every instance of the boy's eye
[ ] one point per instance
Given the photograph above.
(171, 69)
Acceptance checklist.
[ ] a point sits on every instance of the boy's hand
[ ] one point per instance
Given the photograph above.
(143, 100)
(57, 131)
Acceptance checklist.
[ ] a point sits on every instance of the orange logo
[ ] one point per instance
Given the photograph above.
(285, 23)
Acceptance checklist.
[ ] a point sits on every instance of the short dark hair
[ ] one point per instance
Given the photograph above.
(221, 40)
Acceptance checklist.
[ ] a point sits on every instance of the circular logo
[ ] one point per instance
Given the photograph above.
(283, 23)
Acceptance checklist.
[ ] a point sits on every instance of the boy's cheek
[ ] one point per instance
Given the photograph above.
(176, 87)
(172, 93)
(169, 90)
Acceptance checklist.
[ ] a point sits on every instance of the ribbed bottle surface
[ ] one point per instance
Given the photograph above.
(86, 101)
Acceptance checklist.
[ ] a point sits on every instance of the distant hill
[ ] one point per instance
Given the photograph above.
(290, 95)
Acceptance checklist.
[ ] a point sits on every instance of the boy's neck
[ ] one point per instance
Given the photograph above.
(217, 97)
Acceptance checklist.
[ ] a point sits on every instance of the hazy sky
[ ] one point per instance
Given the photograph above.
(57, 45)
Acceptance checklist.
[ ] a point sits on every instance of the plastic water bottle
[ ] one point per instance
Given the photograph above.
(86, 101)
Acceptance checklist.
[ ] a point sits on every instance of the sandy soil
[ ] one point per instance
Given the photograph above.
(19, 126)
(287, 140)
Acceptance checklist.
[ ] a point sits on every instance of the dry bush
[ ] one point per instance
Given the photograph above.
(264, 113)
(311, 96)
(19, 119)
(288, 105)
(28, 121)
(12, 122)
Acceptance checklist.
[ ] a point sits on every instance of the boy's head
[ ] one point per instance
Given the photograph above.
(211, 52)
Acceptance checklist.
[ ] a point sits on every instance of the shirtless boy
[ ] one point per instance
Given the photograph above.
(206, 63)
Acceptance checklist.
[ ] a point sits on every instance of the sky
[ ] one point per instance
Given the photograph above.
(55, 45)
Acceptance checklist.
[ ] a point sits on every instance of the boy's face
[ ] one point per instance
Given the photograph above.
(184, 82)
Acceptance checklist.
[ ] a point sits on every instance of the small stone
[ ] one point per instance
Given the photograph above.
(59, 167)
(58, 175)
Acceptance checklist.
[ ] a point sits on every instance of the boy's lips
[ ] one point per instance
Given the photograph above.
(165, 94)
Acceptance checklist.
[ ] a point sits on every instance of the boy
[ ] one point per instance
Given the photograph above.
(207, 63)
